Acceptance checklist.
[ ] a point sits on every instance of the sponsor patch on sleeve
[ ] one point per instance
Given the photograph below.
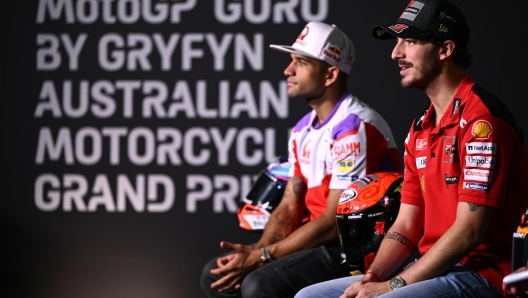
(477, 175)
(475, 186)
(481, 130)
(346, 165)
(349, 148)
(345, 177)
(480, 161)
(481, 148)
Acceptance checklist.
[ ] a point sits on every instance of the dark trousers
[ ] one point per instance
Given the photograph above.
(283, 277)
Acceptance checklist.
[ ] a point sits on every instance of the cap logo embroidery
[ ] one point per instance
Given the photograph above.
(380, 32)
(444, 16)
(332, 52)
(412, 10)
(398, 28)
(443, 28)
(304, 33)
(300, 38)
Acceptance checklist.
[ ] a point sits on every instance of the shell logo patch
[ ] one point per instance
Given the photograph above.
(423, 183)
(346, 165)
(482, 130)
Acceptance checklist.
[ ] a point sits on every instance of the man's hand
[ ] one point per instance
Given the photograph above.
(519, 289)
(234, 267)
(367, 287)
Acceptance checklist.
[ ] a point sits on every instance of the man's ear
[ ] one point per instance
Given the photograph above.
(447, 49)
(331, 75)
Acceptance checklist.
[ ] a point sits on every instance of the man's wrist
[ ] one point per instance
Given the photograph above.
(379, 277)
(265, 256)
(396, 283)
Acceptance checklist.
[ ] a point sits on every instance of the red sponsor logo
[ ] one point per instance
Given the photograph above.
(351, 148)
(421, 144)
(332, 52)
(306, 151)
(300, 38)
(304, 33)
(398, 28)
(477, 174)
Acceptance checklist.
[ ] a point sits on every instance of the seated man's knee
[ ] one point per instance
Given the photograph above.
(256, 284)
(207, 278)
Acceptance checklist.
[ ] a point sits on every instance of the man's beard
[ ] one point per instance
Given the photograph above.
(425, 76)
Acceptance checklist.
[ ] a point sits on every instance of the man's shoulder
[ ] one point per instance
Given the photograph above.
(304, 121)
(355, 106)
(484, 104)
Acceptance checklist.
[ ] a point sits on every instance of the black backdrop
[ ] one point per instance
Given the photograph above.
(130, 128)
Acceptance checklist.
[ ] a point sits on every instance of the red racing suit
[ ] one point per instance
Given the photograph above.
(352, 142)
(475, 155)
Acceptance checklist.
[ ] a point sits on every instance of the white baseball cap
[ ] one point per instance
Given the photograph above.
(323, 42)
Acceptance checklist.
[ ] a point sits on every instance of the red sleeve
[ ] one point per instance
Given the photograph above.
(486, 148)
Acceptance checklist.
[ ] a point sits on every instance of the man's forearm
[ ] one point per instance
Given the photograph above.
(318, 231)
(288, 214)
(280, 224)
(462, 237)
(394, 250)
(399, 242)
(314, 233)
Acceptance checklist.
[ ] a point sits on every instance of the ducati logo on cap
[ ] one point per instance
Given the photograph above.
(300, 38)
(304, 33)
(398, 28)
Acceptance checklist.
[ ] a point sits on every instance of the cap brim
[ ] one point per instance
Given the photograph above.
(290, 49)
(398, 30)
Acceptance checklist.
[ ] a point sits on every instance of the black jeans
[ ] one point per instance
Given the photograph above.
(283, 277)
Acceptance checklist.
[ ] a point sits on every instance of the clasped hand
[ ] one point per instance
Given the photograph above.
(235, 266)
(365, 288)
